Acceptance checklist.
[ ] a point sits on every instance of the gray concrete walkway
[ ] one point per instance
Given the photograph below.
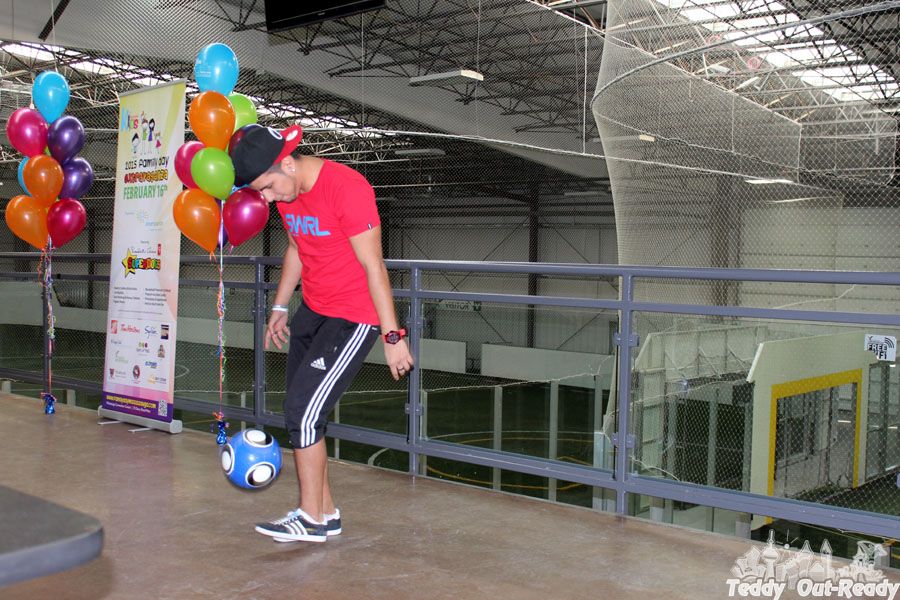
(176, 529)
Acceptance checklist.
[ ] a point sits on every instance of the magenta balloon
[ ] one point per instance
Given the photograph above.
(27, 131)
(78, 176)
(65, 138)
(65, 220)
(183, 158)
(246, 214)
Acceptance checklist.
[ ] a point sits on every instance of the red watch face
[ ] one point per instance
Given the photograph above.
(392, 337)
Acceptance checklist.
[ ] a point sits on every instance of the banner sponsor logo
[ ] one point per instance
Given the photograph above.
(133, 263)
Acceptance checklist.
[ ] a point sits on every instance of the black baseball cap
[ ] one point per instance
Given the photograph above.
(260, 148)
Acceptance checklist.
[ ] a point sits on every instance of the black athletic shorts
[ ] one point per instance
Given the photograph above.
(324, 356)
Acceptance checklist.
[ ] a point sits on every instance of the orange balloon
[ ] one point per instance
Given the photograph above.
(44, 178)
(197, 216)
(212, 119)
(27, 218)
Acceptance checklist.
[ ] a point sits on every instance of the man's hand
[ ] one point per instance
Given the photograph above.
(398, 358)
(277, 330)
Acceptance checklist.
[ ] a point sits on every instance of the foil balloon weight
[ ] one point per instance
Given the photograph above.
(251, 459)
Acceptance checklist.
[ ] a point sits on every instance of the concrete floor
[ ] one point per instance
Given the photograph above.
(176, 529)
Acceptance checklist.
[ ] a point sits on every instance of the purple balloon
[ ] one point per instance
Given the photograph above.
(223, 235)
(245, 214)
(65, 138)
(77, 178)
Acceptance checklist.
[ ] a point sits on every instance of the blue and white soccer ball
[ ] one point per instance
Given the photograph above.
(251, 459)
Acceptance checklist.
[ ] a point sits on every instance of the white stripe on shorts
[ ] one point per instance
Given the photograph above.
(311, 415)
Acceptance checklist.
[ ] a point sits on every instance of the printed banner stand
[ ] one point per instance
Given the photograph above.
(139, 374)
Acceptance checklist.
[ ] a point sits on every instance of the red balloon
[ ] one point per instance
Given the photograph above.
(65, 220)
(27, 131)
(183, 158)
(245, 214)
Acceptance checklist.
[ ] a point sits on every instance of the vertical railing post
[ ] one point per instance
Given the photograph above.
(625, 340)
(413, 403)
(554, 436)
(259, 339)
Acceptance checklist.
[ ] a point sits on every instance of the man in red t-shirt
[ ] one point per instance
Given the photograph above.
(334, 246)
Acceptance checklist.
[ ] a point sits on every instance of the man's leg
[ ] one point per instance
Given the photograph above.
(312, 465)
(327, 501)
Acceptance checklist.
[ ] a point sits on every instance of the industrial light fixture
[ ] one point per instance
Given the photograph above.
(766, 181)
(419, 152)
(646, 138)
(790, 200)
(753, 79)
(447, 78)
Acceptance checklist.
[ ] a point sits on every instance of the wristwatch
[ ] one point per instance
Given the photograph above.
(392, 337)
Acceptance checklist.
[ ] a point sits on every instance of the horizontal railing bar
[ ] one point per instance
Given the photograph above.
(572, 269)
(756, 504)
(541, 467)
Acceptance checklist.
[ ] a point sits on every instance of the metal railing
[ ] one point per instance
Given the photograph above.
(622, 479)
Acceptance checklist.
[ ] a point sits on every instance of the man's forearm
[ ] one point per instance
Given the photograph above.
(290, 276)
(382, 297)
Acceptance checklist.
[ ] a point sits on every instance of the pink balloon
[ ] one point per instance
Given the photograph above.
(27, 131)
(65, 220)
(183, 158)
(246, 214)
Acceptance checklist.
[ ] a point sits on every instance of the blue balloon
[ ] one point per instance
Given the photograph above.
(50, 93)
(21, 178)
(251, 459)
(216, 69)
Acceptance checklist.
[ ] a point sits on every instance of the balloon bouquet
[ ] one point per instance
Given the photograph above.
(53, 177)
(51, 169)
(219, 119)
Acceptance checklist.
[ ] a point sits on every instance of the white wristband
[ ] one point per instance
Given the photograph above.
(279, 308)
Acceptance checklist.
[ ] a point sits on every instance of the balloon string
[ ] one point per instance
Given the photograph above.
(220, 307)
(45, 273)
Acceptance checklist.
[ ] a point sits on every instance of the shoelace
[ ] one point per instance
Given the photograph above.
(291, 516)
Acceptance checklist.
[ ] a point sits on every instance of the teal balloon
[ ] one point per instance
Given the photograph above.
(216, 69)
(213, 172)
(50, 93)
(22, 178)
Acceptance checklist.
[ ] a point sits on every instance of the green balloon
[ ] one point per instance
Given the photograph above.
(244, 111)
(213, 172)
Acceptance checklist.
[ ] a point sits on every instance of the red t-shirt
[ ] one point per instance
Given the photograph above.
(340, 204)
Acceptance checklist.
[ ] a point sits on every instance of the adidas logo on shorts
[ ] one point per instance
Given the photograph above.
(319, 363)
